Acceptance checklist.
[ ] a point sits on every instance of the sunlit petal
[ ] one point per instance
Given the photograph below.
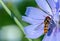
(55, 0)
(35, 13)
(58, 34)
(31, 20)
(56, 17)
(44, 5)
(52, 3)
(32, 31)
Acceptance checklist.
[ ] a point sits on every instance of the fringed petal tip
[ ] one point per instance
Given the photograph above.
(28, 10)
(35, 13)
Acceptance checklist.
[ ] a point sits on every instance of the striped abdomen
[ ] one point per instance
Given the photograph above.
(46, 24)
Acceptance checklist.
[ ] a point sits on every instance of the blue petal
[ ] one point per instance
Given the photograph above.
(34, 31)
(55, 0)
(44, 5)
(57, 5)
(58, 34)
(52, 37)
(31, 21)
(56, 17)
(35, 13)
(52, 3)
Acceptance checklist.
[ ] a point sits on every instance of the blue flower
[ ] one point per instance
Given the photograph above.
(36, 17)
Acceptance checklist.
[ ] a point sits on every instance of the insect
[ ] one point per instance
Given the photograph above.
(46, 24)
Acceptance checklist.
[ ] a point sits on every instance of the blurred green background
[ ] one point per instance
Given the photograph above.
(5, 19)
(18, 8)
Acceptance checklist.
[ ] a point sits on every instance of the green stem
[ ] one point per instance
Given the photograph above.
(9, 12)
(15, 19)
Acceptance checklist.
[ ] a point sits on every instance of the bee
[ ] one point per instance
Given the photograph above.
(46, 24)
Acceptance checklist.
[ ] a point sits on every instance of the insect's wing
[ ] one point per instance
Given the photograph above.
(52, 25)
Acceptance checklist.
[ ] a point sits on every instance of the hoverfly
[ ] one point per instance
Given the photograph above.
(46, 24)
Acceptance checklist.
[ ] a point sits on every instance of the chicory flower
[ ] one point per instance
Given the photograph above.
(36, 17)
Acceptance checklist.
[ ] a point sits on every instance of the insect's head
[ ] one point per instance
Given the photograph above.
(48, 18)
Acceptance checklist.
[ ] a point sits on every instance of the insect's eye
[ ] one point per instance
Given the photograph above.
(47, 18)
